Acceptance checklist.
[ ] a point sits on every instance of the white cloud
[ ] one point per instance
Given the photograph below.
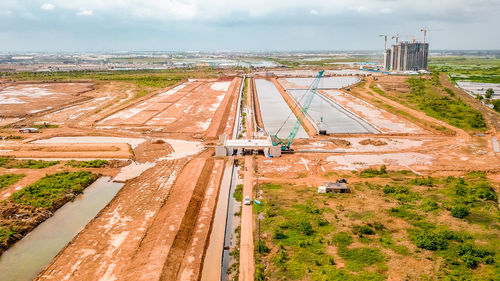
(85, 12)
(47, 7)
(313, 12)
(386, 11)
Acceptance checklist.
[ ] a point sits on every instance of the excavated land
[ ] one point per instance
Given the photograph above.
(158, 225)
(197, 106)
(404, 143)
(21, 100)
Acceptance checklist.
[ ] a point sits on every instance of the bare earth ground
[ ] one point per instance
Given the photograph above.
(156, 228)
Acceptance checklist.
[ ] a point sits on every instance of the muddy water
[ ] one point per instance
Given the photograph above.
(222, 228)
(30, 255)
(275, 110)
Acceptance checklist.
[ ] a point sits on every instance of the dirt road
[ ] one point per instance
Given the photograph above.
(247, 266)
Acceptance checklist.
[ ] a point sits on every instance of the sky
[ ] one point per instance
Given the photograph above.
(251, 25)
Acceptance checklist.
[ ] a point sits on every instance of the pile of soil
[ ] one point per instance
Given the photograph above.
(372, 142)
(341, 142)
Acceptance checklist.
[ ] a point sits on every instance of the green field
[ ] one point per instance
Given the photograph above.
(429, 96)
(468, 68)
(450, 224)
(10, 163)
(54, 190)
(7, 180)
(88, 164)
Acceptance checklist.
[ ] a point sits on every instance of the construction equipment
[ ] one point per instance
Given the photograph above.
(424, 30)
(385, 40)
(304, 107)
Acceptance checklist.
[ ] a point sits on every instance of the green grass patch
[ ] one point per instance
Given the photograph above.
(10, 163)
(6, 233)
(428, 96)
(359, 258)
(238, 193)
(52, 190)
(370, 173)
(7, 180)
(88, 164)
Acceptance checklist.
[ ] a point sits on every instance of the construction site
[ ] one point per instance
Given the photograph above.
(178, 157)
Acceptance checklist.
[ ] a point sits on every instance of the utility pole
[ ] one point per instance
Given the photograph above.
(260, 217)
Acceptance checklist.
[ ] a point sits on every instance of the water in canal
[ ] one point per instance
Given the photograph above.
(25, 259)
(275, 110)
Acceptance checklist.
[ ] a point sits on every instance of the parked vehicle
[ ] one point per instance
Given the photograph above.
(247, 200)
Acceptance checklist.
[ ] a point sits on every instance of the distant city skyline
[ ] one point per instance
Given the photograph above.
(184, 25)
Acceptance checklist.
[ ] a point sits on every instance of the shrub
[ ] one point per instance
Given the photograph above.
(6, 233)
(472, 254)
(238, 193)
(460, 211)
(88, 164)
(401, 193)
(363, 229)
(428, 205)
(259, 272)
(278, 234)
(261, 247)
(433, 239)
(305, 228)
(422, 181)
(370, 173)
(322, 222)
(342, 239)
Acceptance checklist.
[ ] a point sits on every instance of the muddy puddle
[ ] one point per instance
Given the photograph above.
(30, 255)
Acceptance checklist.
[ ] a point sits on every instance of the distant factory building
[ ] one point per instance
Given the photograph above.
(406, 56)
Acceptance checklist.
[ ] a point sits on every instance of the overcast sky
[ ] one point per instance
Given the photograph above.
(251, 25)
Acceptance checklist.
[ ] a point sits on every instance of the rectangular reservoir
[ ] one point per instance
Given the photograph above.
(275, 110)
(324, 83)
(332, 117)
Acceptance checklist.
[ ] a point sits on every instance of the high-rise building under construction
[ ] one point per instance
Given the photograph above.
(405, 56)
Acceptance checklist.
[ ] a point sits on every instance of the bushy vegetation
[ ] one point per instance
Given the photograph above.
(6, 233)
(10, 163)
(428, 96)
(299, 233)
(370, 173)
(53, 189)
(88, 164)
(459, 211)
(401, 193)
(238, 193)
(309, 233)
(468, 196)
(7, 180)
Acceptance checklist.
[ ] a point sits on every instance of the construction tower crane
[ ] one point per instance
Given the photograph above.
(425, 30)
(304, 107)
(385, 40)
